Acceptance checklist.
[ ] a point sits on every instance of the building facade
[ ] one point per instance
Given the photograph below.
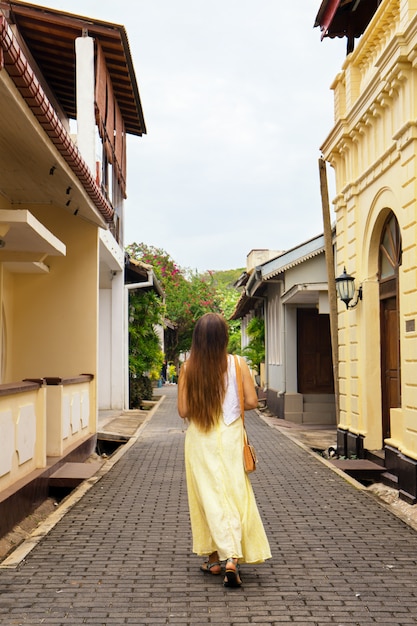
(289, 290)
(69, 98)
(373, 150)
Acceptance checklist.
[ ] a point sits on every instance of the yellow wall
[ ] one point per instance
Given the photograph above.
(49, 320)
(373, 147)
(55, 316)
(23, 427)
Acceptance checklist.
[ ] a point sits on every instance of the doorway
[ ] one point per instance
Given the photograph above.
(389, 263)
(314, 353)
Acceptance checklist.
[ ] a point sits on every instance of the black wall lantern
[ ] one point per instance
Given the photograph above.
(345, 285)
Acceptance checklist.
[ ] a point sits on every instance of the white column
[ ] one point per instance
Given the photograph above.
(84, 54)
(118, 362)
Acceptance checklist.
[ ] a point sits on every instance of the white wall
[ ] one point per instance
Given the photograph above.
(112, 362)
(312, 271)
(275, 334)
(291, 349)
(104, 356)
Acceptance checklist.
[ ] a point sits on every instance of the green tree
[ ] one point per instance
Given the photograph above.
(255, 350)
(228, 298)
(193, 297)
(165, 268)
(188, 295)
(145, 354)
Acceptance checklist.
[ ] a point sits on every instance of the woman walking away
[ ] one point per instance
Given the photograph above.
(225, 520)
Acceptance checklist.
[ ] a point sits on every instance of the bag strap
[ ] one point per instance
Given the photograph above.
(240, 387)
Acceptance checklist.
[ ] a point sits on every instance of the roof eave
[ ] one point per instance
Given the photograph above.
(19, 70)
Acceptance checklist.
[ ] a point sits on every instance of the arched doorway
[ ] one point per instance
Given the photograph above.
(389, 263)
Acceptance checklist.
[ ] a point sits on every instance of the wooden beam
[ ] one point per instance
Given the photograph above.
(331, 282)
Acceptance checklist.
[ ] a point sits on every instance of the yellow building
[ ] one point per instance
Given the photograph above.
(373, 150)
(68, 97)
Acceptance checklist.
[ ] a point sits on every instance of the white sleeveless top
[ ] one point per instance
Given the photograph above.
(231, 404)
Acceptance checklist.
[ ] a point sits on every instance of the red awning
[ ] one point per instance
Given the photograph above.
(325, 15)
(345, 18)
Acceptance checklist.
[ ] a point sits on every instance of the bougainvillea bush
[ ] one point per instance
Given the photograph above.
(188, 295)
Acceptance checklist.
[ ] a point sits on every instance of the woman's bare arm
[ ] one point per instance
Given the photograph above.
(182, 399)
(249, 391)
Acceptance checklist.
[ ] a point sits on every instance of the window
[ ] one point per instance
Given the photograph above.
(390, 249)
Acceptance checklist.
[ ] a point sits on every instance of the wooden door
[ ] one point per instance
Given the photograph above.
(390, 362)
(314, 352)
(390, 258)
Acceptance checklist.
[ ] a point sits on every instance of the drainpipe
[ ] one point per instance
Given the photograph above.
(149, 283)
(328, 246)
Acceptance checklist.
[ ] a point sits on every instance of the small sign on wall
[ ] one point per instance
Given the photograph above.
(410, 326)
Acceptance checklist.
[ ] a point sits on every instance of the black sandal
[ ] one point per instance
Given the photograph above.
(206, 567)
(232, 578)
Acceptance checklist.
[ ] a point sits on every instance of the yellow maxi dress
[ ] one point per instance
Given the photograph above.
(223, 511)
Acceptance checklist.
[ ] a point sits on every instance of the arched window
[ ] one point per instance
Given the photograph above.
(390, 250)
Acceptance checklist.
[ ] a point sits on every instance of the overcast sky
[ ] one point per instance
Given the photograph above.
(237, 101)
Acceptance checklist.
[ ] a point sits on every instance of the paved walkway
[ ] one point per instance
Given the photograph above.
(121, 555)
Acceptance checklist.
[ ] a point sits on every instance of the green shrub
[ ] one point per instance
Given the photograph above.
(139, 389)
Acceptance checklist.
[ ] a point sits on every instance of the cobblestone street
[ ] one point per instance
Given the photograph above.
(122, 553)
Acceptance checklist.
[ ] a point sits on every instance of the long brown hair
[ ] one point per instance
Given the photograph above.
(205, 383)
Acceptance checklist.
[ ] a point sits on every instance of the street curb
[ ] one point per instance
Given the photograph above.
(352, 481)
(329, 464)
(18, 555)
